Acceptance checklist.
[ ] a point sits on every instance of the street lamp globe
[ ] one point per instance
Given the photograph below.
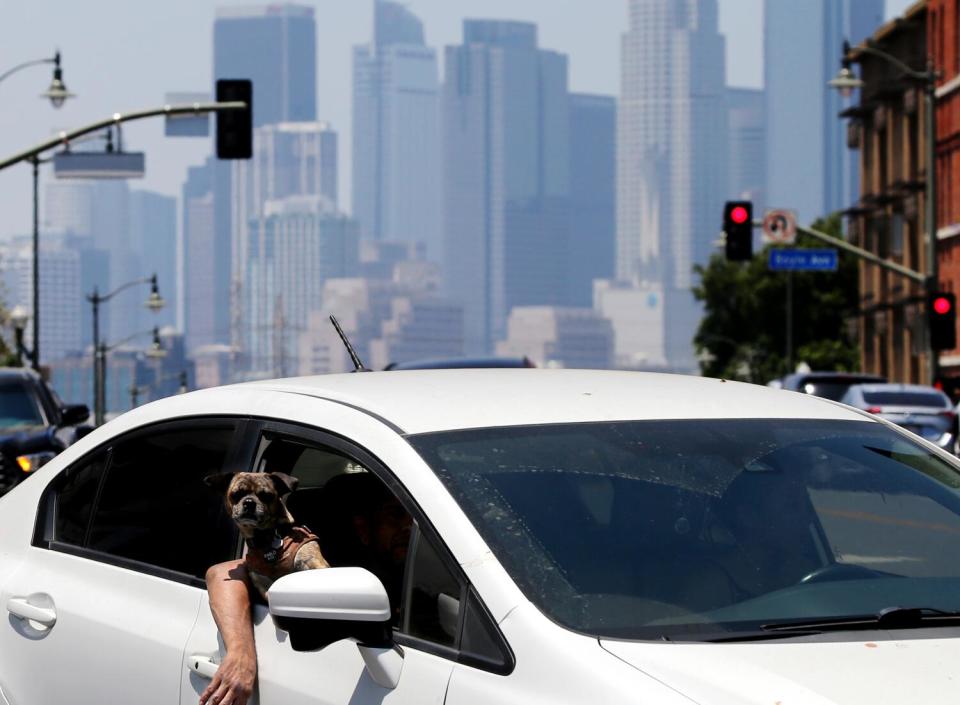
(846, 82)
(57, 93)
(19, 317)
(156, 351)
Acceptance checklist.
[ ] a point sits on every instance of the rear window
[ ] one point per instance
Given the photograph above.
(905, 399)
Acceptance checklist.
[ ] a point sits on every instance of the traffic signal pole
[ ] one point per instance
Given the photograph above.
(929, 282)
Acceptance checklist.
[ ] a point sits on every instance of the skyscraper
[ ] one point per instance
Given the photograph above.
(672, 158)
(200, 299)
(396, 140)
(289, 159)
(275, 46)
(747, 167)
(506, 175)
(593, 195)
(297, 244)
(809, 167)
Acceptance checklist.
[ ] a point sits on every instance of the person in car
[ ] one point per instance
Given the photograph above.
(379, 532)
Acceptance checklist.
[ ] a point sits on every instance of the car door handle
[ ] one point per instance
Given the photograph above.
(19, 607)
(203, 666)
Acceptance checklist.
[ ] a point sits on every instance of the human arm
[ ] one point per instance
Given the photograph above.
(228, 588)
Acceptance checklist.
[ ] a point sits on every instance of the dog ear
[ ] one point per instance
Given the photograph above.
(219, 481)
(284, 483)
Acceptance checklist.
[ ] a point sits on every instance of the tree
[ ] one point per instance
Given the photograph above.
(743, 332)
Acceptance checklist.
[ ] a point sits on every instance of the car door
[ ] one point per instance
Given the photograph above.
(428, 629)
(101, 607)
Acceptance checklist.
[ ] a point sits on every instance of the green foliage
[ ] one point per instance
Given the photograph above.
(743, 333)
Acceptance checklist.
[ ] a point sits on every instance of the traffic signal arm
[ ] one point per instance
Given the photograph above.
(861, 253)
(64, 138)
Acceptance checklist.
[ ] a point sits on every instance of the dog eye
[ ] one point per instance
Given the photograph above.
(236, 496)
(266, 496)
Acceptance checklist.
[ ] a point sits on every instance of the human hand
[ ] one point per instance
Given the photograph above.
(233, 682)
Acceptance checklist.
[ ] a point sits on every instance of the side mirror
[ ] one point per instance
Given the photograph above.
(73, 414)
(319, 607)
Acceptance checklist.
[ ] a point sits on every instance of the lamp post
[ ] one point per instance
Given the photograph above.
(154, 302)
(846, 82)
(57, 93)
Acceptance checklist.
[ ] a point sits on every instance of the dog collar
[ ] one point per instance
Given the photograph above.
(272, 554)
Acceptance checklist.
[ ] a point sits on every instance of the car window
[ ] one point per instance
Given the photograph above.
(336, 497)
(930, 399)
(434, 597)
(144, 500)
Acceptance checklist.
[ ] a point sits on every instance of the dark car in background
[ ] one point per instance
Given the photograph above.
(925, 411)
(461, 363)
(829, 385)
(35, 424)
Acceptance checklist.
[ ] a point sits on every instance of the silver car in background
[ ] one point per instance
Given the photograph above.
(925, 411)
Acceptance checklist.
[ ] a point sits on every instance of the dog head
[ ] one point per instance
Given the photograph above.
(255, 500)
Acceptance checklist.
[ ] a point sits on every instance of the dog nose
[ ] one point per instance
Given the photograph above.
(249, 504)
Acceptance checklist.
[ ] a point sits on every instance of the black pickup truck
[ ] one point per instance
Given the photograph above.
(35, 424)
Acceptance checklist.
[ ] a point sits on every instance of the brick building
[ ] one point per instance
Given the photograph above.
(943, 29)
(887, 127)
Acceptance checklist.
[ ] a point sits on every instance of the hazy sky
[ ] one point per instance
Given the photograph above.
(122, 55)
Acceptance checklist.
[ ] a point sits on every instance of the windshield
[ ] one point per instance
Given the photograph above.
(18, 408)
(680, 529)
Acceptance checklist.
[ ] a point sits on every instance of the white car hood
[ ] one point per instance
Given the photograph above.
(891, 672)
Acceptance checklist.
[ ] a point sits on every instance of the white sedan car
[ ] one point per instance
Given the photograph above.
(577, 537)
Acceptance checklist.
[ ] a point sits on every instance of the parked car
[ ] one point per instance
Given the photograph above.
(35, 424)
(578, 537)
(923, 410)
(461, 363)
(829, 385)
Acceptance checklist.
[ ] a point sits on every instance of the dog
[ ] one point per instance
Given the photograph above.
(275, 545)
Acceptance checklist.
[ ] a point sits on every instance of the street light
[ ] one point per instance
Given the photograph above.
(154, 303)
(18, 319)
(137, 389)
(846, 82)
(57, 93)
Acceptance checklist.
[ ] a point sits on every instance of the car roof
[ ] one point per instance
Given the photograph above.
(420, 401)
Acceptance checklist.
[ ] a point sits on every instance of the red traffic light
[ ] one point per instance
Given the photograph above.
(942, 305)
(739, 215)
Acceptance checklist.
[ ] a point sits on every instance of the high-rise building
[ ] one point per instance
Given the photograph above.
(153, 250)
(747, 166)
(289, 159)
(593, 195)
(275, 46)
(506, 180)
(672, 157)
(60, 295)
(809, 167)
(200, 297)
(396, 132)
(295, 247)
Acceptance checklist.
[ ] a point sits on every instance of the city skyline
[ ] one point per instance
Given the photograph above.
(112, 70)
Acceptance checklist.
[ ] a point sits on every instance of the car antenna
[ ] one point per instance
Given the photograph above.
(357, 365)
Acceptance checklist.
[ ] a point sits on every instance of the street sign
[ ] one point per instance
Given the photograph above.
(780, 227)
(805, 260)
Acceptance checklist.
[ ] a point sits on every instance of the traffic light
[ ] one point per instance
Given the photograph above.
(738, 225)
(942, 320)
(235, 127)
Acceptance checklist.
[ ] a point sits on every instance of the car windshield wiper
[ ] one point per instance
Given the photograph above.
(887, 618)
